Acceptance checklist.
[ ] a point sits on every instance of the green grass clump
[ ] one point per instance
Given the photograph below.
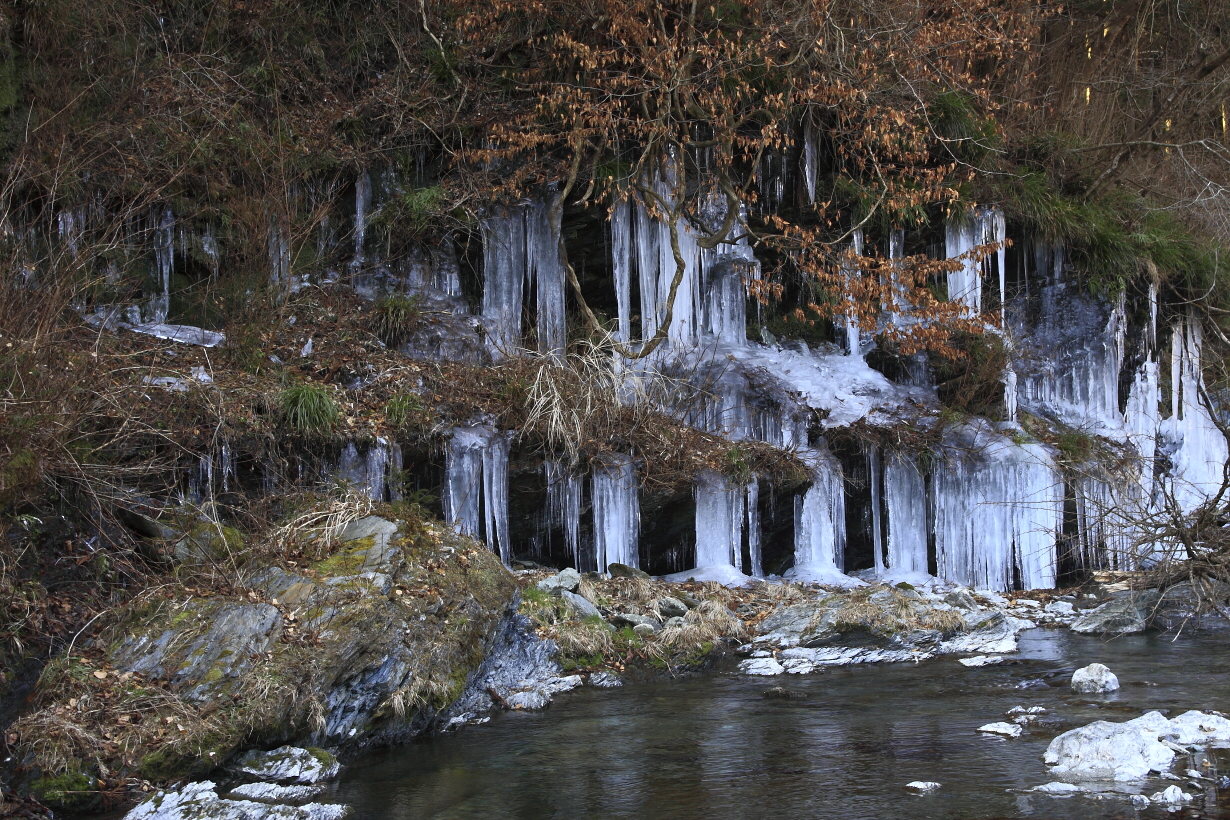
(308, 409)
(396, 317)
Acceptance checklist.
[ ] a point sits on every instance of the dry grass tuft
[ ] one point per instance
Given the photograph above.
(706, 624)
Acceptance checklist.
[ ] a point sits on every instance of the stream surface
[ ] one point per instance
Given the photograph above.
(714, 746)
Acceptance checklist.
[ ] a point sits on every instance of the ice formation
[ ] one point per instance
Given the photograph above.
(520, 250)
(987, 509)
(617, 512)
(476, 485)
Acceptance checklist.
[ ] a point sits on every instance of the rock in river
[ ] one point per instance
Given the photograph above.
(1094, 679)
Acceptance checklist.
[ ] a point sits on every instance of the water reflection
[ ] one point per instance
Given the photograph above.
(714, 747)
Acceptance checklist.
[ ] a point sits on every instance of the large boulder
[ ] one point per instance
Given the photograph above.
(1107, 751)
(365, 645)
(1127, 613)
(200, 801)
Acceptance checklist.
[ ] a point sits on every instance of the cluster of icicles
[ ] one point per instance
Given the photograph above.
(987, 509)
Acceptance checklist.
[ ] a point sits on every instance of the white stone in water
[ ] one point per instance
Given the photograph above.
(196, 801)
(1094, 679)
(1059, 789)
(274, 793)
(981, 660)
(923, 785)
(605, 680)
(761, 666)
(289, 764)
(1195, 728)
(1107, 751)
(1001, 728)
(1172, 796)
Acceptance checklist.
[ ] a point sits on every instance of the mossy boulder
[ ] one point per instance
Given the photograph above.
(366, 645)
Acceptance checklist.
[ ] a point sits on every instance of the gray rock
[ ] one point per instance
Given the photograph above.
(1059, 789)
(290, 764)
(223, 639)
(622, 619)
(1122, 615)
(1198, 729)
(981, 660)
(673, 623)
(669, 607)
(618, 570)
(520, 668)
(923, 785)
(582, 605)
(761, 666)
(644, 630)
(566, 580)
(961, 599)
(988, 632)
(275, 793)
(1171, 796)
(1001, 728)
(605, 680)
(1107, 751)
(200, 801)
(1094, 679)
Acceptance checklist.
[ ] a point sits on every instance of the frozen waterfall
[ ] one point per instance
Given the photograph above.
(476, 486)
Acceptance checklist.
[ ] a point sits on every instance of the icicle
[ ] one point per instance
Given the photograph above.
(753, 527)
(811, 150)
(965, 283)
(820, 523)
(899, 304)
(854, 346)
(998, 511)
(370, 471)
(719, 530)
(621, 259)
(906, 501)
(476, 486)
(1106, 512)
(362, 202)
(522, 246)
(1072, 357)
(1196, 446)
(564, 490)
(164, 264)
(504, 274)
(279, 257)
(547, 272)
(617, 513)
(1010, 396)
(495, 496)
(876, 480)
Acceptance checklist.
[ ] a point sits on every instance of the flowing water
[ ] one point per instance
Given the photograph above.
(714, 746)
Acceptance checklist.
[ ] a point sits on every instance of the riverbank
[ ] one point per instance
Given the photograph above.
(565, 631)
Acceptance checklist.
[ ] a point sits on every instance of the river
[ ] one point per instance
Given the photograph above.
(713, 746)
